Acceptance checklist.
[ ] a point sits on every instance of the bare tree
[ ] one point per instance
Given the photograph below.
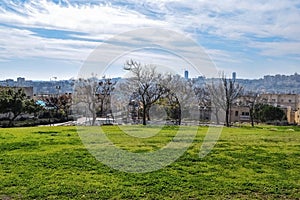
(176, 97)
(224, 92)
(147, 83)
(232, 92)
(180, 101)
(95, 95)
(106, 87)
(65, 103)
(204, 101)
(217, 99)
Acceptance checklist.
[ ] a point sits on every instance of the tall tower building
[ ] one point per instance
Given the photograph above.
(233, 76)
(186, 74)
(20, 80)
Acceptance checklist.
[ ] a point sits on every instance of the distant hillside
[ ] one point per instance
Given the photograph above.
(273, 84)
(268, 84)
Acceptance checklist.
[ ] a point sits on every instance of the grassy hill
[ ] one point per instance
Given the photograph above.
(246, 163)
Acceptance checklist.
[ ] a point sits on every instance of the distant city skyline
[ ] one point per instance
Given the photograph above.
(185, 74)
(285, 84)
(41, 39)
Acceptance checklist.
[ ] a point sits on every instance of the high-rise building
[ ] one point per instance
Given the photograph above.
(20, 80)
(233, 76)
(186, 74)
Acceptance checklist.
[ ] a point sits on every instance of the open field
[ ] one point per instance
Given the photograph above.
(246, 163)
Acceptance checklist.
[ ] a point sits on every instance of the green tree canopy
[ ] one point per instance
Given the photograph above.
(14, 102)
(265, 113)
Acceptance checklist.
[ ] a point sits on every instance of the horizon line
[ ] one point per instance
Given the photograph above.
(237, 78)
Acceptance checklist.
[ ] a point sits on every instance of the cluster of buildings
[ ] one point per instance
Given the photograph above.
(289, 103)
(52, 86)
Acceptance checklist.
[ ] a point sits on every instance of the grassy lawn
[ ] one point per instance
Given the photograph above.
(246, 163)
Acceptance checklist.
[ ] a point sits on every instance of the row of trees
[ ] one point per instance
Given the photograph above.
(144, 89)
(167, 92)
(174, 94)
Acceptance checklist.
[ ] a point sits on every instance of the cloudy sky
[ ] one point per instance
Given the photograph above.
(41, 39)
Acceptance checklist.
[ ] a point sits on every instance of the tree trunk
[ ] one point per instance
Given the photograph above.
(94, 114)
(251, 117)
(148, 113)
(10, 124)
(94, 120)
(11, 120)
(145, 115)
(67, 115)
(179, 117)
(217, 116)
(102, 114)
(227, 117)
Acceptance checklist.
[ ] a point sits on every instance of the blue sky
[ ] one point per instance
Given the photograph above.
(40, 39)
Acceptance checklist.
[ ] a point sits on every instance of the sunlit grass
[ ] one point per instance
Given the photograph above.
(246, 163)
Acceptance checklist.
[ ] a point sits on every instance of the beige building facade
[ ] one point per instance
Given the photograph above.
(281, 100)
(240, 114)
(296, 115)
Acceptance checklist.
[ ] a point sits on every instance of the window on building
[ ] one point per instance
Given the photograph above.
(245, 113)
(282, 100)
(236, 113)
(273, 100)
(290, 100)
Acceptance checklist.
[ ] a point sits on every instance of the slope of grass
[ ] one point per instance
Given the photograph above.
(246, 163)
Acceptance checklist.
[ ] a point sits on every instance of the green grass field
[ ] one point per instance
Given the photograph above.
(246, 163)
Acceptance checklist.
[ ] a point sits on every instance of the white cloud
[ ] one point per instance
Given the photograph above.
(279, 48)
(82, 18)
(21, 43)
(237, 19)
(99, 22)
(220, 56)
(272, 27)
(233, 19)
